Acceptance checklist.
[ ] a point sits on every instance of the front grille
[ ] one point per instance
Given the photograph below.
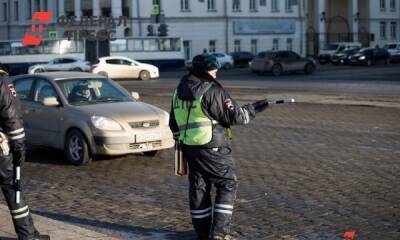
(145, 124)
(154, 144)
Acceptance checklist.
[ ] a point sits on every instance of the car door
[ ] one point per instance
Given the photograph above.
(296, 62)
(115, 68)
(53, 65)
(134, 68)
(24, 88)
(44, 121)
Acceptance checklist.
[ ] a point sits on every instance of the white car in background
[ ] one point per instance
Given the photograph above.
(394, 51)
(123, 67)
(61, 64)
(225, 60)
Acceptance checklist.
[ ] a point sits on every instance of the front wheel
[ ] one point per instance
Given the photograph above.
(144, 75)
(77, 69)
(77, 149)
(309, 68)
(277, 70)
(39, 70)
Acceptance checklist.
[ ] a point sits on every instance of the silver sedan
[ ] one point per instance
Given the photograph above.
(86, 115)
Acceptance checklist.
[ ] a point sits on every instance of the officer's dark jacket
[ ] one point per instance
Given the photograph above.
(10, 116)
(216, 104)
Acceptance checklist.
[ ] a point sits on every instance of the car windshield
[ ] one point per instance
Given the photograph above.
(391, 46)
(92, 91)
(331, 47)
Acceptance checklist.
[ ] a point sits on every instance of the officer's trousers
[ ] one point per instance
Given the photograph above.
(21, 217)
(209, 167)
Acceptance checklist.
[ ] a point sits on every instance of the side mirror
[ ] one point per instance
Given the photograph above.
(135, 95)
(51, 102)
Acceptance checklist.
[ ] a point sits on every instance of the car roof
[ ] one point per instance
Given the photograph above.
(114, 57)
(63, 75)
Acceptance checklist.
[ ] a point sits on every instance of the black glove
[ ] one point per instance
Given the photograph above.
(18, 157)
(260, 106)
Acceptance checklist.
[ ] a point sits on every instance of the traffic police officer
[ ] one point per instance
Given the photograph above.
(202, 113)
(12, 155)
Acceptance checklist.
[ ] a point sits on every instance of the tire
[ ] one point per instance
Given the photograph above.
(369, 62)
(309, 68)
(77, 69)
(144, 75)
(227, 66)
(387, 61)
(39, 70)
(3, 73)
(151, 153)
(276, 70)
(104, 74)
(76, 148)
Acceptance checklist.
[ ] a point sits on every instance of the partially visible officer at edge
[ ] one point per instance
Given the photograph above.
(202, 113)
(11, 128)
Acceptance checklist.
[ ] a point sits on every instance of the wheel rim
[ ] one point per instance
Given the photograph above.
(276, 70)
(39, 70)
(75, 148)
(145, 75)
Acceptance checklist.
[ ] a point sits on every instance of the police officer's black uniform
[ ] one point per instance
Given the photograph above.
(11, 125)
(212, 164)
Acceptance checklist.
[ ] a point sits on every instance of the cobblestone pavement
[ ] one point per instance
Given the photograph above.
(307, 171)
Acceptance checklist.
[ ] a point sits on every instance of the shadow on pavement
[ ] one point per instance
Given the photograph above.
(140, 232)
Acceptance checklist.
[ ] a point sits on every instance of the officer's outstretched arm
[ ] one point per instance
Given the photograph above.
(225, 110)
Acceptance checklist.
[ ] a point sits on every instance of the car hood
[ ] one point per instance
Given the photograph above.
(127, 111)
(148, 66)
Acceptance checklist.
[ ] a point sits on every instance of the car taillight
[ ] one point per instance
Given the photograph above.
(93, 67)
(268, 61)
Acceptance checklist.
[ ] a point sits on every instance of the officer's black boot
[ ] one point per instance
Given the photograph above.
(39, 236)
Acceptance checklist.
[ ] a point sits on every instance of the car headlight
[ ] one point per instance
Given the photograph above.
(166, 118)
(104, 123)
(362, 58)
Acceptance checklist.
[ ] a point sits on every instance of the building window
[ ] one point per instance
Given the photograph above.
(275, 5)
(185, 5)
(236, 5)
(187, 49)
(263, 3)
(211, 46)
(253, 5)
(37, 5)
(275, 44)
(254, 49)
(16, 11)
(5, 12)
(393, 30)
(46, 5)
(29, 10)
(211, 5)
(393, 5)
(288, 5)
(383, 5)
(237, 46)
(383, 30)
(289, 44)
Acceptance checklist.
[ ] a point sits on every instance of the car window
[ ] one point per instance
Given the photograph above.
(114, 61)
(68, 60)
(284, 55)
(126, 62)
(92, 91)
(43, 89)
(23, 87)
(293, 55)
(57, 61)
(261, 55)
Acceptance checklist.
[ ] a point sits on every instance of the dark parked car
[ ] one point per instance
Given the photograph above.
(344, 56)
(370, 56)
(278, 62)
(242, 59)
(3, 70)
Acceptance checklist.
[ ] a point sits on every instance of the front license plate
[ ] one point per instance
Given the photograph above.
(147, 137)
